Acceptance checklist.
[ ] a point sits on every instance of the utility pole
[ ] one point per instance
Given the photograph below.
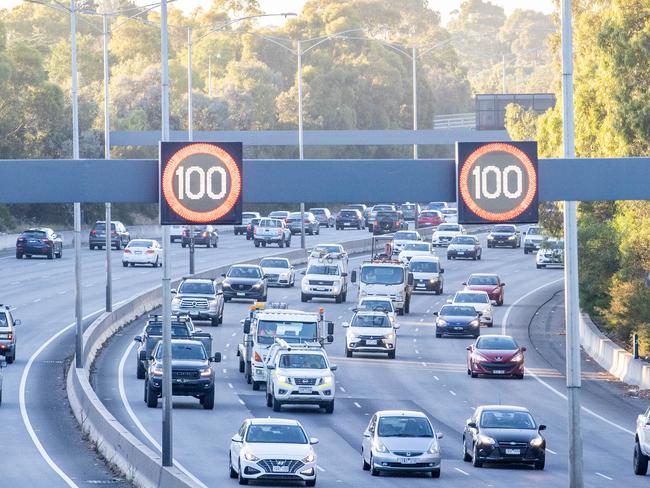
(190, 127)
(300, 142)
(107, 156)
(415, 116)
(571, 301)
(167, 444)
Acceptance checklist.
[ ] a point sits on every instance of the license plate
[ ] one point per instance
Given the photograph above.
(280, 469)
(513, 452)
(499, 371)
(460, 252)
(371, 342)
(408, 460)
(458, 328)
(240, 294)
(138, 252)
(31, 241)
(420, 286)
(320, 289)
(304, 389)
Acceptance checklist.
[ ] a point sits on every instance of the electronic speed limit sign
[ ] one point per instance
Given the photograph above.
(200, 183)
(497, 182)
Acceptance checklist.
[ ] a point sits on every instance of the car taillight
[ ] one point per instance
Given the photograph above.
(21, 239)
(279, 231)
(47, 241)
(186, 232)
(258, 358)
(149, 251)
(376, 222)
(248, 227)
(93, 232)
(306, 221)
(127, 251)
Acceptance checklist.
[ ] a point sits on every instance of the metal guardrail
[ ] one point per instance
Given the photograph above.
(455, 121)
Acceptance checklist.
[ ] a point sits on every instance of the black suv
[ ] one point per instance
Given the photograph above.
(204, 235)
(120, 237)
(41, 241)
(504, 235)
(388, 221)
(350, 218)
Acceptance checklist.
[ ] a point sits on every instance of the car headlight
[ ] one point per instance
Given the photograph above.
(257, 285)
(433, 280)
(511, 238)
(389, 337)
(176, 302)
(225, 284)
(434, 449)
(490, 237)
(537, 442)
(326, 380)
(283, 379)
(486, 440)
(479, 357)
(379, 446)
(206, 373)
(284, 275)
(249, 456)
(156, 370)
(310, 458)
(517, 358)
(441, 323)
(474, 323)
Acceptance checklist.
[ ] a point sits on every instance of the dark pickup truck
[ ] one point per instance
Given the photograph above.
(192, 373)
(182, 328)
(387, 222)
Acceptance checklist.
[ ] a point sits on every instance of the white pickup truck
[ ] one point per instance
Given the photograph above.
(323, 280)
(271, 231)
(642, 444)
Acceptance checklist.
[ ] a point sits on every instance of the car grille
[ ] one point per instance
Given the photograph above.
(406, 466)
(194, 303)
(369, 337)
(321, 283)
(305, 381)
(406, 453)
(185, 374)
(273, 278)
(498, 365)
(267, 464)
(241, 287)
(444, 238)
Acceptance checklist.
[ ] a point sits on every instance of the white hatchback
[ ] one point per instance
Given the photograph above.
(480, 300)
(272, 449)
(142, 251)
(413, 249)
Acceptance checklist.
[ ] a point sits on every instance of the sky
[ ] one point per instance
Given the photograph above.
(445, 7)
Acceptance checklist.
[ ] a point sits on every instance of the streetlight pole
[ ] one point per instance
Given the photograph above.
(190, 128)
(210, 75)
(301, 149)
(571, 297)
(107, 156)
(415, 98)
(167, 453)
(78, 310)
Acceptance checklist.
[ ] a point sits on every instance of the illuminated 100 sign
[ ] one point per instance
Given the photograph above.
(497, 182)
(200, 183)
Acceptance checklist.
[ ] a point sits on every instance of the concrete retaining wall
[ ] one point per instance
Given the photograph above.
(135, 460)
(611, 357)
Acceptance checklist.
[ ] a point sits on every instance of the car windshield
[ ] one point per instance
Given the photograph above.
(276, 434)
(408, 206)
(293, 332)
(274, 263)
(471, 298)
(403, 426)
(270, 223)
(4, 322)
(449, 211)
(185, 352)
(370, 321)
(348, 213)
(178, 331)
(317, 211)
(482, 281)
(385, 275)
(244, 272)
(437, 205)
(327, 249)
(464, 240)
(377, 208)
(405, 236)
(323, 269)
(424, 267)
(303, 361)
(140, 243)
(279, 214)
(102, 226)
(503, 419)
(35, 234)
(417, 246)
(534, 231)
(501, 343)
(504, 228)
(449, 228)
(384, 305)
(248, 215)
(455, 311)
(296, 216)
(196, 287)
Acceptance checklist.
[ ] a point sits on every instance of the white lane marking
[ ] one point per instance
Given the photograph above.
(320, 469)
(62, 292)
(230, 385)
(241, 401)
(136, 420)
(357, 405)
(423, 363)
(342, 389)
(551, 451)
(541, 381)
(14, 283)
(23, 407)
(224, 370)
(452, 392)
(428, 310)
(36, 300)
(417, 352)
(603, 476)
(421, 320)
(437, 379)
(340, 317)
(233, 334)
(462, 472)
(227, 345)
(417, 329)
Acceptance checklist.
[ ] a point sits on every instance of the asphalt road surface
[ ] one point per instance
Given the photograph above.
(428, 374)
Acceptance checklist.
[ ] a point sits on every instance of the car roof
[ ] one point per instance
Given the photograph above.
(273, 421)
(275, 259)
(186, 341)
(244, 266)
(424, 258)
(492, 336)
(476, 292)
(505, 408)
(372, 313)
(484, 274)
(404, 413)
(376, 297)
(198, 280)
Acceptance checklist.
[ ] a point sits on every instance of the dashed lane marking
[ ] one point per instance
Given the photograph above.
(241, 401)
(320, 469)
(551, 451)
(452, 392)
(357, 405)
(462, 472)
(604, 476)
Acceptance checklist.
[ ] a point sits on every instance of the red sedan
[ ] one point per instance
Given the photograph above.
(495, 355)
(430, 218)
(487, 282)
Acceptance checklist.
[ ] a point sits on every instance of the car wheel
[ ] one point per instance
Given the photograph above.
(231, 471)
(435, 473)
(438, 335)
(539, 465)
(241, 479)
(640, 460)
(19, 255)
(257, 243)
(216, 243)
(407, 306)
(289, 242)
(155, 264)
(208, 401)
(12, 358)
(391, 354)
(466, 456)
(339, 298)
(329, 407)
(183, 245)
(256, 385)
(473, 374)
(304, 297)
(277, 405)
(310, 482)
(269, 400)
(480, 255)
(214, 321)
(525, 251)
(118, 245)
(476, 462)
(499, 302)
(264, 244)
(140, 371)
(519, 376)
(281, 243)
(373, 471)
(366, 466)
(132, 265)
(50, 255)
(151, 397)
(242, 366)
(59, 254)
(348, 352)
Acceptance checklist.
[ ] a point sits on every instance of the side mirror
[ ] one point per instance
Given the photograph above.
(17, 322)
(411, 280)
(330, 339)
(247, 326)
(216, 358)
(468, 348)
(344, 274)
(313, 440)
(137, 338)
(236, 438)
(173, 291)
(333, 367)
(523, 349)
(367, 434)
(150, 358)
(472, 425)
(270, 366)
(541, 427)
(3, 364)
(439, 435)
(345, 324)
(435, 313)
(464, 283)
(503, 284)
(479, 314)
(396, 326)
(353, 277)
(330, 328)
(303, 272)
(441, 271)
(449, 300)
